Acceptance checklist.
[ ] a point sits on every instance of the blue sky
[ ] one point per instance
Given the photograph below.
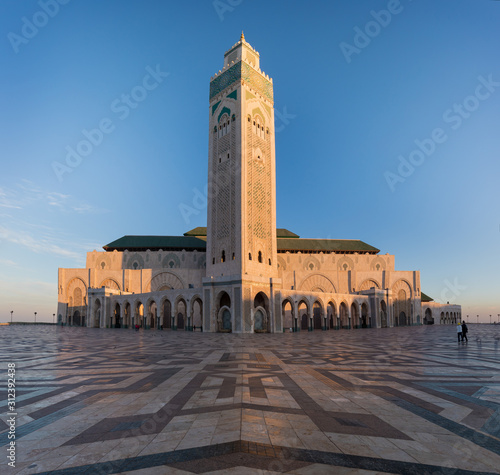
(361, 88)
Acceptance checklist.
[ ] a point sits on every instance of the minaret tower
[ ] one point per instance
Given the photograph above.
(241, 221)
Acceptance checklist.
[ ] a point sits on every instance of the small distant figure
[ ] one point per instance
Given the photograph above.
(194, 328)
(464, 332)
(459, 332)
(137, 327)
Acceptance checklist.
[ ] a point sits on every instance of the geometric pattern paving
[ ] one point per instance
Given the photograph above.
(396, 400)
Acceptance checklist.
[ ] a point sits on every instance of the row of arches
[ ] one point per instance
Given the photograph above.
(450, 317)
(303, 315)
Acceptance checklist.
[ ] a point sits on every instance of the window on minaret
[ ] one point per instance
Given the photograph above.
(223, 256)
(260, 257)
(249, 256)
(234, 256)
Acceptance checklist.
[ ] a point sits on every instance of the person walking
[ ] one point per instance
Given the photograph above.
(459, 332)
(464, 332)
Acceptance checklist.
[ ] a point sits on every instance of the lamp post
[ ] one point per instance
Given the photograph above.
(53, 318)
(498, 318)
(11, 312)
(35, 317)
(467, 318)
(490, 319)
(477, 318)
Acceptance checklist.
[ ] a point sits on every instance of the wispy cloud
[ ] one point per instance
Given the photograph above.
(26, 193)
(23, 225)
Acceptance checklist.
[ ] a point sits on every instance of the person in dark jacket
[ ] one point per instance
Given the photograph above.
(464, 332)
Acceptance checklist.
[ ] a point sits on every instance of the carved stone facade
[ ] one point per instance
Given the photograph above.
(241, 274)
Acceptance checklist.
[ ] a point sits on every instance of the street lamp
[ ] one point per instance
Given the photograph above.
(11, 312)
(467, 318)
(35, 317)
(490, 319)
(53, 318)
(477, 318)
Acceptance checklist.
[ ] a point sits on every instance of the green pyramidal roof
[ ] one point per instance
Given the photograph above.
(143, 243)
(425, 298)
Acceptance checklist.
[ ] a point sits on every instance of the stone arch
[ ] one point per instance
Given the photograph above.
(287, 313)
(197, 311)
(317, 315)
(311, 264)
(383, 314)
(331, 312)
(368, 284)
(261, 312)
(110, 284)
(96, 317)
(165, 281)
(102, 262)
(344, 320)
(303, 313)
(281, 263)
(355, 317)
(180, 313)
(318, 282)
(135, 261)
(116, 317)
(171, 261)
(74, 283)
(378, 264)
(345, 263)
(151, 316)
(127, 314)
(166, 312)
(138, 313)
(365, 318)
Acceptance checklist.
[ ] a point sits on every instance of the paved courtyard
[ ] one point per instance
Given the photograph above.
(398, 400)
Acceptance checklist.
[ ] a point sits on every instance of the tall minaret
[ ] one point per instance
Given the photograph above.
(241, 221)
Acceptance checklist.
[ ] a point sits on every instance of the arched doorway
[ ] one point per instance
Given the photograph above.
(287, 315)
(152, 315)
(116, 323)
(344, 316)
(181, 315)
(167, 314)
(224, 318)
(197, 314)
(364, 316)
(97, 314)
(77, 319)
(261, 313)
(303, 312)
(139, 314)
(383, 314)
(402, 319)
(317, 316)
(332, 316)
(355, 320)
(127, 316)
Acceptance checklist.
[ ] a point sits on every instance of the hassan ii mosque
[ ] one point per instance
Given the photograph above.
(240, 274)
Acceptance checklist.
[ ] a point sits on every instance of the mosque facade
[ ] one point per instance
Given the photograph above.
(241, 274)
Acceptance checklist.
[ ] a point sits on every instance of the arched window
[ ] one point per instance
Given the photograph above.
(249, 256)
(260, 257)
(223, 256)
(269, 261)
(234, 256)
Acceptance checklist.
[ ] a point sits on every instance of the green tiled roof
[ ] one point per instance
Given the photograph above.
(202, 232)
(425, 298)
(196, 240)
(326, 245)
(142, 243)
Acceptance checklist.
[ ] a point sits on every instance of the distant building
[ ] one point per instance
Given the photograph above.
(241, 274)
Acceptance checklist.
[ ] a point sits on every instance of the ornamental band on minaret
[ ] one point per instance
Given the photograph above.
(241, 274)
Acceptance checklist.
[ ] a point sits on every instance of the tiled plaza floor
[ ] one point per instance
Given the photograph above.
(399, 400)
